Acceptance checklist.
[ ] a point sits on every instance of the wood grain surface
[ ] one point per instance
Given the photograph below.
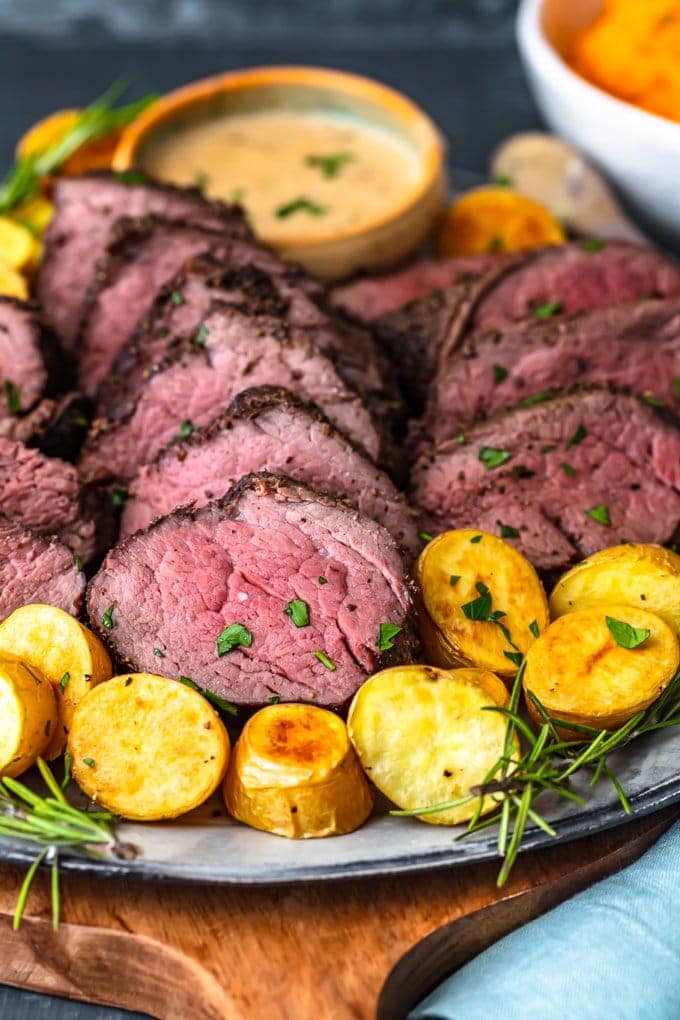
(350, 950)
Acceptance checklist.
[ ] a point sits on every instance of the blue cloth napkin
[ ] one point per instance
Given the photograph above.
(611, 952)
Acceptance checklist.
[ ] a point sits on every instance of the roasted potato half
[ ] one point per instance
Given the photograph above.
(294, 773)
(581, 674)
(28, 715)
(71, 657)
(147, 748)
(425, 735)
(647, 576)
(454, 571)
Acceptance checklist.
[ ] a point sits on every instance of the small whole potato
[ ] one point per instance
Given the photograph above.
(28, 715)
(581, 674)
(147, 748)
(294, 773)
(425, 736)
(60, 648)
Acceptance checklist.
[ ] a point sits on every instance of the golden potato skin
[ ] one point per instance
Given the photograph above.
(28, 715)
(425, 735)
(146, 747)
(449, 638)
(641, 575)
(294, 773)
(55, 644)
(581, 675)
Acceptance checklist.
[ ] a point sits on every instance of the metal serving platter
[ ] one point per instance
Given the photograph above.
(207, 846)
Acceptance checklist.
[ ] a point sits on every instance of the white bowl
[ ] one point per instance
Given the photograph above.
(638, 151)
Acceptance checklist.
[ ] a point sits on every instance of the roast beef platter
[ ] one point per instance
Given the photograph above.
(258, 496)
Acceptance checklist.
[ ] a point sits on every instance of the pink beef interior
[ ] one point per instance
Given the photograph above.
(34, 569)
(21, 360)
(192, 575)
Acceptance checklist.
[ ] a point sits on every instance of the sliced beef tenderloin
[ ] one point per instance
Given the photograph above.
(369, 297)
(569, 476)
(57, 426)
(180, 585)
(237, 273)
(636, 349)
(267, 429)
(30, 362)
(85, 209)
(46, 495)
(197, 382)
(36, 569)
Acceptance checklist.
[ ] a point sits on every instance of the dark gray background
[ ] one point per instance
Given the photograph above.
(457, 58)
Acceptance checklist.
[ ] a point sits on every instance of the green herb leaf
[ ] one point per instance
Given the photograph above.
(460, 439)
(476, 539)
(491, 457)
(90, 762)
(12, 396)
(300, 204)
(599, 513)
(515, 657)
(503, 181)
(578, 436)
(63, 683)
(237, 194)
(653, 401)
(593, 244)
(425, 536)
(129, 176)
(185, 429)
(176, 298)
(159, 653)
(626, 635)
(78, 562)
(298, 611)
(568, 469)
(330, 165)
(499, 373)
(536, 398)
(547, 447)
(275, 699)
(533, 627)
(507, 530)
(221, 703)
(325, 661)
(454, 579)
(547, 311)
(676, 386)
(322, 580)
(201, 179)
(119, 496)
(479, 608)
(388, 632)
(201, 337)
(233, 636)
(107, 619)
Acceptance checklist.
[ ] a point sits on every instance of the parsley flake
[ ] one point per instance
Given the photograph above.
(676, 386)
(63, 683)
(479, 608)
(454, 579)
(300, 204)
(201, 337)
(12, 396)
(592, 244)
(185, 429)
(475, 539)
(503, 181)
(90, 762)
(579, 435)
(78, 562)
(533, 627)
(653, 401)
(425, 536)
(221, 703)
(499, 373)
(298, 611)
(119, 496)
(507, 530)
(331, 165)
(388, 632)
(515, 657)
(547, 447)
(536, 398)
(233, 636)
(568, 469)
(325, 661)
(491, 457)
(158, 653)
(130, 177)
(107, 619)
(548, 310)
(275, 699)
(599, 513)
(322, 580)
(176, 298)
(625, 635)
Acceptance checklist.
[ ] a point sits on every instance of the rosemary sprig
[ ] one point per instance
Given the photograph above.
(55, 825)
(536, 761)
(96, 120)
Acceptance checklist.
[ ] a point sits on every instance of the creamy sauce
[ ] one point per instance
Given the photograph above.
(299, 175)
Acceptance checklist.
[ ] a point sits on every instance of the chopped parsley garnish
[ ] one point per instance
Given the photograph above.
(159, 653)
(81, 421)
(222, 703)
(454, 579)
(536, 398)
(201, 337)
(491, 457)
(300, 204)
(185, 429)
(298, 611)
(322, 580)
(515, 657)
(547, 447)
(331, 165)
(388, 632)
(503, 181)
(119, 496)
(201, 179)
(653, 401)
(237, 194)
(479, 608)
(233, 636)
(547, 311)
(63, 683)
(325, 661)
(676, 386)
(90, 762)
(107, 619)
(495, 244)
(533, 627)
(275, 699)
(460, 439)
(13, 397)
(47, 727)
(176, 298)
(626, 635)
(599, 513)
(579, 435)
(593, 244)
(475, 539)
(499, 373)
(568, 469)
(130, 177)
(78, 562)
(507, 530)
(496, 336)
(425, 536)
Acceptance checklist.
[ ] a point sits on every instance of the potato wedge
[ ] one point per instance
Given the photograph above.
(493, 219)
(146, 747)
(34, 214)
(17, 244)
(453, 571)
(60, 648)
(294, 773)
(582, 675)
(647, 576)
(12, 283)
(424, 737)
(28, 714)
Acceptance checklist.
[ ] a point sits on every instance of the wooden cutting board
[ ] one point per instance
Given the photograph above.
(347, 950)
